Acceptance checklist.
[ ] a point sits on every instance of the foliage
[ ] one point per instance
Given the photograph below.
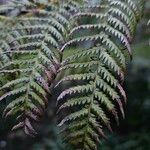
(32, 50)
(34, 46)
(99, 90)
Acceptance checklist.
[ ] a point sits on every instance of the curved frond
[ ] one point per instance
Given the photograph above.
(102, 37)
(32, 46)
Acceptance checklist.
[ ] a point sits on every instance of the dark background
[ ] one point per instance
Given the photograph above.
(133, 132)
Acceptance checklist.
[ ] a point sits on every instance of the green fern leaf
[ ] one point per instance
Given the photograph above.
(98, 71)
(33, 44)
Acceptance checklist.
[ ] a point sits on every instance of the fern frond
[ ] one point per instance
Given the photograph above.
(33, 44)
(97, 71)
(32, 54)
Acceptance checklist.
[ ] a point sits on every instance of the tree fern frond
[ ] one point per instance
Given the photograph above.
(96, 93)
(33, 45)
(35, 39)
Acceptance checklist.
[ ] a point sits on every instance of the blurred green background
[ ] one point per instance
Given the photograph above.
(133, 132)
